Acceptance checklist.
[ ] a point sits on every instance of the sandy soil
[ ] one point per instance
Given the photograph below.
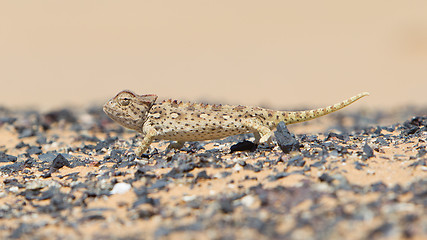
(333, 188)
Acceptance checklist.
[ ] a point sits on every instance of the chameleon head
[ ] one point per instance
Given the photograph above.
(129, 109)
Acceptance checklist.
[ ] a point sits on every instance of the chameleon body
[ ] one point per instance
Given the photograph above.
(181, 122)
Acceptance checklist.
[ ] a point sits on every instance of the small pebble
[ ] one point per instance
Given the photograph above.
(13, 189)
(120, 188)
(368, 152)
(59, 162)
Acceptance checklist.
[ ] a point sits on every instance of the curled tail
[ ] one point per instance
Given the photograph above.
(301, 116)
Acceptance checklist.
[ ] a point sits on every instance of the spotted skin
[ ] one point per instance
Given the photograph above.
(182, 122)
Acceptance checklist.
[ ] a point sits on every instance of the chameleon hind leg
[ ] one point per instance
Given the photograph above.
(262, 133)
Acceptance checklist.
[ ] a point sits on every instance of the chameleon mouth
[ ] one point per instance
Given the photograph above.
(108, 108)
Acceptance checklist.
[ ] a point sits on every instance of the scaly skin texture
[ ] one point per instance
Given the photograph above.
(181, 122)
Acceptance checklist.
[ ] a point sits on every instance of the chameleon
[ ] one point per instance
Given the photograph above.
(185, 121)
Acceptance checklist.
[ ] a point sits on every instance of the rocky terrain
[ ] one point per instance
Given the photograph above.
(74, 175)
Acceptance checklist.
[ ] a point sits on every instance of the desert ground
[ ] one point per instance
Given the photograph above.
(68, 172)
(74, 175)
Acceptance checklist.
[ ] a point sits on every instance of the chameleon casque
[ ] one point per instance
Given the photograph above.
(182, 122)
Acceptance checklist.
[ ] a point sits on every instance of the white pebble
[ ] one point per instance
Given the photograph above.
(248, 200)
(189, 198)
(14, 189)
(120, 188)
(237, 168)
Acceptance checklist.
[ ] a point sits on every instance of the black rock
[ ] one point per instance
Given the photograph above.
(186, 167)
(48, 194)
(89, 138)
(326, 178)
(226, 205)
(88, 147)
(140, 172)
(46, 175)
(318, 164)
(243, 146)
(7, 158)
(411, 130)
(193, 147)
(368, 152)
(11, 181)
(381, 231)
(359, 165)
(297, 161)
(335, 135)
(266, 227)
(417, 121)
(55, 116)
(58, 201)
(31, 194)
(174, 173)
(59, 162)
(241, 163)
(144, 200)
(421, 152)
(328, 144)
(73, 176)
(159, 184)
(23, 228)
(116, 155)
(145, 213)
(47, 157)
(381, 141)
(92, 216)
(389, 129)
(202, 175)
(161, 232)
(379, 187)
(8, 120)
(311, 138)
(21, 145)
(225, 174)
(272, 178)
(421, 162)
(41, 140)
(286, 141)
(141, 192)
(26, 132)
(195, 203)
(34, 150)
(105, 144)
(10, 168)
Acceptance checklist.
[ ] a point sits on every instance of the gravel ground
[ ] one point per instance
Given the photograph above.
(74, 175)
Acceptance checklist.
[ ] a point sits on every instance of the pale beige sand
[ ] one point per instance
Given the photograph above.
(281, 53)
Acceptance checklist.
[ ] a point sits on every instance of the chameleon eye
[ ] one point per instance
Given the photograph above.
(124, 101)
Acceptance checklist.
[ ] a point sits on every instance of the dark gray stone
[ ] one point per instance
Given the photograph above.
(59, 162)
(368, 152)
(286, 141)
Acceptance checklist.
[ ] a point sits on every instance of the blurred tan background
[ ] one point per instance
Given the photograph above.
(276, 53)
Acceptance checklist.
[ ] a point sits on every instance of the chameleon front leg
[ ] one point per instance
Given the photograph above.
(150, 134)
